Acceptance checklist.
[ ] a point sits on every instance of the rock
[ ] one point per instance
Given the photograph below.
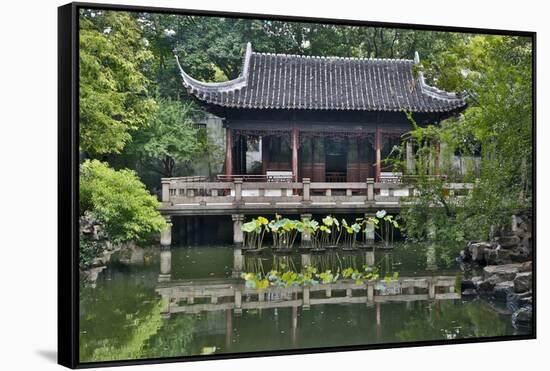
(469, 292)
(465, 253)
(526, 267)
(522, 318)
(520, 253)
(502, 289)
(467, 284)
(487, 286)
(477, 251)
(506, 272)
(514, 300)
(476, 280)
(508, 241)
(497, 256)
(523, 282)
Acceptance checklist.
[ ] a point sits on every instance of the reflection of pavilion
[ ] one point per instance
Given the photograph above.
(230, 296)
(192, 296)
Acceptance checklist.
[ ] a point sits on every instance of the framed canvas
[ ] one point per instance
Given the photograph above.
(238, 185)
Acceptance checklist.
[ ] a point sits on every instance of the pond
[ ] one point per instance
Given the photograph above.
(124, 315)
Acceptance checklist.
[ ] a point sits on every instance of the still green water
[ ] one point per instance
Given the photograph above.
(122, 317)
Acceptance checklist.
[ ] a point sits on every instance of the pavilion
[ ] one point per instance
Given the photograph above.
(329, 119)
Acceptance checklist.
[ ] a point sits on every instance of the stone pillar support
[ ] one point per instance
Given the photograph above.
(238, 237)
(166, 234)
(165, 265)
(369, 230)
(306, 237)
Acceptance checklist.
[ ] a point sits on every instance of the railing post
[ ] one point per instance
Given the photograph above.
(370, 189)
(238, 189)
(305, 194)
(165, 191)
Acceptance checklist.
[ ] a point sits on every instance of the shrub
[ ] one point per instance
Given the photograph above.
(119, 200)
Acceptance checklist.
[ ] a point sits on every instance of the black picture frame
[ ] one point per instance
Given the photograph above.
(68, 170)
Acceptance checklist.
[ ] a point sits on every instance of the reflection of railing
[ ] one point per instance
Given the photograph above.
(215, 294)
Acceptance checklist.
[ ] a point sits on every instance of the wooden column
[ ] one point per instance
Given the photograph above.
(377, 148)
(228, 151)
(294, 140)
(265, 154)
(410, 157)
(437, 149)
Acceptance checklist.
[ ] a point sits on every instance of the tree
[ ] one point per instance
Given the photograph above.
(119, 201)
(495, 74)
(114, 97)
(170, 138)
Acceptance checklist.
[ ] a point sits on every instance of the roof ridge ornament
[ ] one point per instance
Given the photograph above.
(194, 85)
(431, 91)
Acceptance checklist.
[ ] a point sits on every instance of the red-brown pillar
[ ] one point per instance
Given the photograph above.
(228, 152)
(294, 140)
(437, 149)
(377, 148)
(265, 154)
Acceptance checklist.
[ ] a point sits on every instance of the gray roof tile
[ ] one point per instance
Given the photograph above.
(281, 81)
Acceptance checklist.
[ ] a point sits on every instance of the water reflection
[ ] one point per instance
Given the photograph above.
(188, 301)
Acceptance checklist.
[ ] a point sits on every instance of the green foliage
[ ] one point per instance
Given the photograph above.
(119, 201)
(254, 232)
(495, 74)
(169, 139)
(88, 251)
(285, 231)
(113, 84)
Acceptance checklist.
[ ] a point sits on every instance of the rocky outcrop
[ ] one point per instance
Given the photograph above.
(511, 243)
(507, 283)
(523, 317)
(93, 232)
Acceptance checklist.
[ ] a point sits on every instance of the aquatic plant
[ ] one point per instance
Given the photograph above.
(330, 232)
(350, 233)
(254, 232)
(384, 226)
(309, 276)
(284, 232)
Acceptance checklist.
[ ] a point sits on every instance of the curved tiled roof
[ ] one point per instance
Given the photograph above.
(281, 81)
